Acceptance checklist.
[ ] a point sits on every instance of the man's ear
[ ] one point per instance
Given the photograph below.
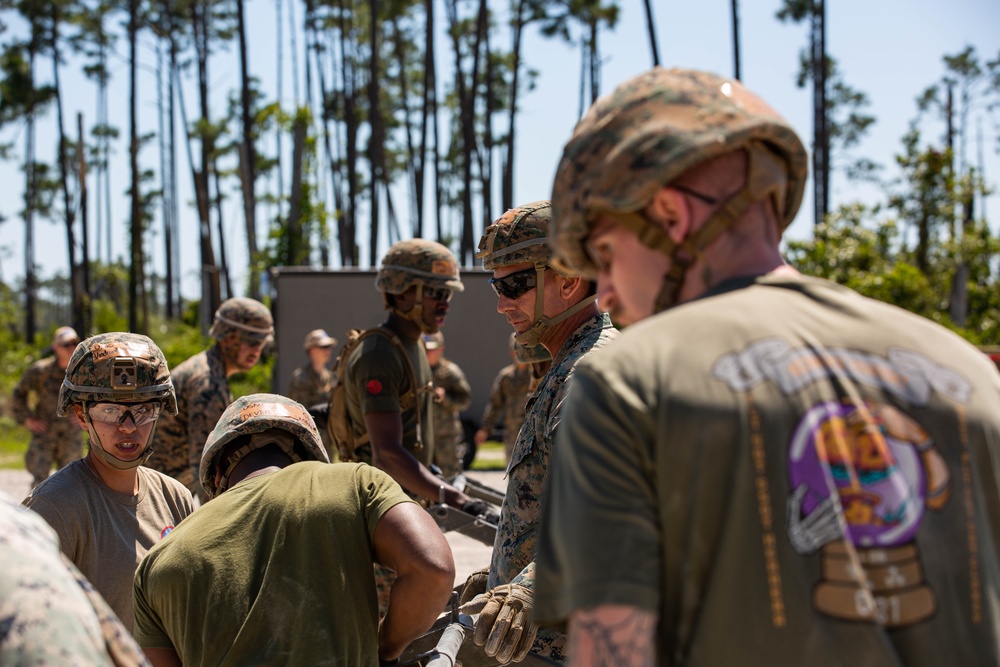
(669, 209)
(79, 414)
(570, 286)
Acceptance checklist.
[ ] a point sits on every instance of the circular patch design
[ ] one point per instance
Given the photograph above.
(374, 387)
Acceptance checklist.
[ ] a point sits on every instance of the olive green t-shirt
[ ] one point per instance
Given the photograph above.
(377, 376)
(277, 570)
(785, 473)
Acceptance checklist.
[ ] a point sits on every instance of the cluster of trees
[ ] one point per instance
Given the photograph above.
(379, 111)
(406, 137)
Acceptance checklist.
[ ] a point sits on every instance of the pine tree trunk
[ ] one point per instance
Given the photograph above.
(249, 171)
(84, 227)
(135, 276)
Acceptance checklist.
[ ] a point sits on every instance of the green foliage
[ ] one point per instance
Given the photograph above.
(861, 250)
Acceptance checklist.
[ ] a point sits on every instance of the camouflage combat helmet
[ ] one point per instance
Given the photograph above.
(421, 263)
(117, 367)
(649, 132)
(248, 319)
(252, 415)
(418, 262)
(520, 236)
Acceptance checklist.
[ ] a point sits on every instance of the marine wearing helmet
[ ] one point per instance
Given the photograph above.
(647, 135)
(520, 236)
(254, 422)
(425, 265)
(111, 371)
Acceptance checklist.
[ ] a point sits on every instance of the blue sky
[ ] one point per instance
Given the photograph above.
(891, 50)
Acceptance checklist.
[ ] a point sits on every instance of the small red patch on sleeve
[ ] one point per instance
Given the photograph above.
(374, 387)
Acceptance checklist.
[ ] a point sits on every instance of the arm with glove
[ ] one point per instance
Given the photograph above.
(504, 628)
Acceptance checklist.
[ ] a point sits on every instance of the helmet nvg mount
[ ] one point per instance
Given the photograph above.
(519, 236)
(268, 419)
(421, 263)
(649, 132)
(116, 368)
(247, 319)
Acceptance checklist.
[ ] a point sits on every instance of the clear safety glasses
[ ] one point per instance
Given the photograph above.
(115, 413)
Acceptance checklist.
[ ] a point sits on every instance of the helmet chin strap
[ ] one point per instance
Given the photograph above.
(416, 314)
(766, 177)
(111, 459)
(541, 324)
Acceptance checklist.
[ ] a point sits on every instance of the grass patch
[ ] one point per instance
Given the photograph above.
(13, 444)
(490, 456)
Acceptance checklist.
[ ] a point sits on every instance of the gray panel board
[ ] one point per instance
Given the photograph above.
(476, 336)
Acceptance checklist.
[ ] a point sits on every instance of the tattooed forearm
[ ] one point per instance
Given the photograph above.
(612, 636)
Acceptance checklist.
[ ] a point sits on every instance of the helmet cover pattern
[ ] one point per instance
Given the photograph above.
(418, 262)
(257, 413)
(647, 133)
(248, 319)
(519, 235)
(117, 367)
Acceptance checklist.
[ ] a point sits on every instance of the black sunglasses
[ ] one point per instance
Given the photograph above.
(514, 285)
(438, 293)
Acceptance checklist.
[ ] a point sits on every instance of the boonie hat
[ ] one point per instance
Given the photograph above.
(319, 338)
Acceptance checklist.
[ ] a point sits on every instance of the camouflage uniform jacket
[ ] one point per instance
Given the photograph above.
(457, 396)
(203, 394)
(309, 387)
(508, 397)
(513, 559)
(36, 396)
(50, 614)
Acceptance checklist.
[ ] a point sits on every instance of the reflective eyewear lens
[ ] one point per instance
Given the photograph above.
(114, 413)
(438, 293)
(514, 285)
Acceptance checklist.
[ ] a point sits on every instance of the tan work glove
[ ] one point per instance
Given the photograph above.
(504, 628)
(474, 585)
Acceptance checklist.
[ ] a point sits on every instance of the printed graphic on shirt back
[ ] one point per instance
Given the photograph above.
(862, 475)
(875, 468)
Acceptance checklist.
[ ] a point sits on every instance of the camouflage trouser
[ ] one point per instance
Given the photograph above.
(446, 456)
(44, 451)
(384, 579)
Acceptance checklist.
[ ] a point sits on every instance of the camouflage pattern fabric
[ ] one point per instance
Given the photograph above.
(247, 319)
(417, 261)
(508, 397)
(203, 394)
(514, 549)
(647, 133)
(50, 615)
(36, 396)
(311, 388)
(93, 376)
(257, 413)
(519, 235)
(448, 432)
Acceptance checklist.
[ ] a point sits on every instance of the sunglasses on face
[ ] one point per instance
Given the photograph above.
(438, 293)
(515, 284)
(115, 413)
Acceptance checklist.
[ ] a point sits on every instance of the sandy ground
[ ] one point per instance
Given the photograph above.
(470, 554)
